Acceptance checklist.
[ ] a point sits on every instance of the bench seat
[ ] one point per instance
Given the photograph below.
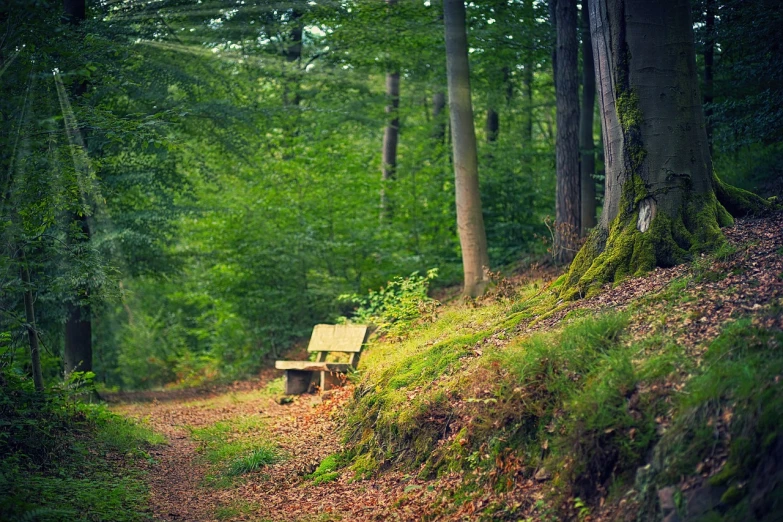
(326, 338)
(313, 366)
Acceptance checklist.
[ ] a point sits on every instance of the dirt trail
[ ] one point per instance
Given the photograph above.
(305, 432)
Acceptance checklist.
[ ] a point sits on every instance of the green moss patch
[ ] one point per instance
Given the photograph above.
(327, 469)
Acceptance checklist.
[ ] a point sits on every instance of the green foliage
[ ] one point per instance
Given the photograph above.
(395, 306)
(62, 460)
(737, 362)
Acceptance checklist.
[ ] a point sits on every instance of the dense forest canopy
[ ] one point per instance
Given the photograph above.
(189, 186)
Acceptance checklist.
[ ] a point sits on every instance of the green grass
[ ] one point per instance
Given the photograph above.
(238, 509)
(583, 400)
(234, 448)
(90, 475)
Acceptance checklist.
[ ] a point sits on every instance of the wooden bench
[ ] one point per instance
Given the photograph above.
(326, 338)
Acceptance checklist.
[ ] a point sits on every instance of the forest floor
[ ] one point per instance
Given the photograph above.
(186, 486)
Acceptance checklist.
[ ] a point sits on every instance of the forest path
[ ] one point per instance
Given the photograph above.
(305, 433)
(744, 282)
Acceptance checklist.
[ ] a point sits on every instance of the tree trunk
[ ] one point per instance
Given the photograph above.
(74, 11)
(293, 55)
(78, 326)
(663, 203)
(390, 138)
(586, 143)
(470, 222)
(528, 83)
(527, 131)
(32, 332)
(493, 116)
(438, 104)
(390, 135)
(709, 61)
(77, 354)
(493, 125)
(567, 206)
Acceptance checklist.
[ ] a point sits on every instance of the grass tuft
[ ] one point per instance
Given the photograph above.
(235, 448)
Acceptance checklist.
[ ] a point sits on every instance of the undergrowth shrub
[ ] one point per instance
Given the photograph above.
(53, 455)
(395, 306)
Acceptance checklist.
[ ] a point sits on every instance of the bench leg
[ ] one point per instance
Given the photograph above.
(297, 382)
(330, 380)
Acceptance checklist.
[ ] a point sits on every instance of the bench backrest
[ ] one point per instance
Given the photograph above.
(338, 338)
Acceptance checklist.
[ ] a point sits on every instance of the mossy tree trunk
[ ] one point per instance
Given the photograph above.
(663, 203)
(470, 221)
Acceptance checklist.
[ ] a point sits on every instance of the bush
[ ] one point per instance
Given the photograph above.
(53, 450)
(398, 304)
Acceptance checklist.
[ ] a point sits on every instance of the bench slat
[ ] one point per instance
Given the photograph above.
(311, 366)
(346, 338)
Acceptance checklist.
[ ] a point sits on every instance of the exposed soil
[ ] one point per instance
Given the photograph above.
(307, 431)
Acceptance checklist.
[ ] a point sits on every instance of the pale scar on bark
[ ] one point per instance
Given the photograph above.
(646, 214)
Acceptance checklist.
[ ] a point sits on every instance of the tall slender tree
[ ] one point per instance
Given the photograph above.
(586, 143)
(527, 78)
(663, 203)
(391, 133)
(709, 64)
(470, 221)
(32, 331)
(567, 205)
(77, 353)
(493, 113)
(438, 105)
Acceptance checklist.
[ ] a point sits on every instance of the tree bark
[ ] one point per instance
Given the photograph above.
(32, 331)
(470, 222)
(527, 130)
(390, 139)
(492, 127)
(567, 203)
(586, 143)
(390, 135)
(438, 104)
(74, 11)
(528, 83)
(293, 55)
(77, 354)
(663, 204)
(709, 61)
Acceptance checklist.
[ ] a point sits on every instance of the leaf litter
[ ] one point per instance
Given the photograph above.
(747, 281)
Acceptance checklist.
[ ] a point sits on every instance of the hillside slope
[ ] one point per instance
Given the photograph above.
(657, 398)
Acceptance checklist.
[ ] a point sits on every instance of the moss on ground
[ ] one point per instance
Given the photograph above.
(583, 401)
(327, 470)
